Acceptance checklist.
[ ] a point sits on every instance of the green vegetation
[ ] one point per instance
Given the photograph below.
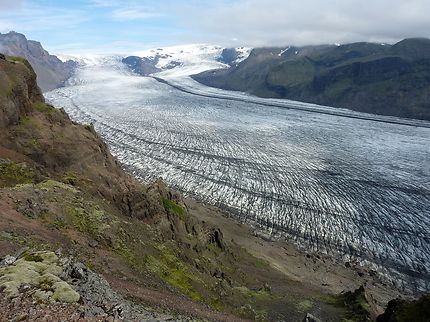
(250, 313)
(372, 78)
(253, 296)
(16, 59)
(172, 270)
(41, 270)
(50, 185)
(305, 306)
(43, 107)
(123, 250)
(70, 177)
(88, 220)
(173, 208)
(26, 122)
(404, 311)
(12, 174)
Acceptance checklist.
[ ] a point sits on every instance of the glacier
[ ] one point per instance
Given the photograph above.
(347, 184)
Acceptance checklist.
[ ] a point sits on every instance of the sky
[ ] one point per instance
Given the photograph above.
(127, 26)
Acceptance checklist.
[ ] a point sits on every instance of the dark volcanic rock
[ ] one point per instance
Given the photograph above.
(373, 78)
(51, 71)
(142, 66)
(229, 56)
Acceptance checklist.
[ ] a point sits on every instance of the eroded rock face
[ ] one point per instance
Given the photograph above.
(51, 71)
(18, 91)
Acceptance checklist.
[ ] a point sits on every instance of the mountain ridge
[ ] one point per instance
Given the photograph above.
(51, 71)
(374, 78)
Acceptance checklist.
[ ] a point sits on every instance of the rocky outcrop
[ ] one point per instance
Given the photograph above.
(40, 272)
(373, 78)
(142, 65)
(400, 310)
(18, 91)
(49, 279)
(52, 141)
(51, 71)
(229, 56)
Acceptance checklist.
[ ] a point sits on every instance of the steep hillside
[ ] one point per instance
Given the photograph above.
(51, 72)
(61, 190)
(373, 78)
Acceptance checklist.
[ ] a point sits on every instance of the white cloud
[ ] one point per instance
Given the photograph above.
(279, 22)
(6, 26)
(104, 3)
(29, 17)
(124, 14)
(10, 4)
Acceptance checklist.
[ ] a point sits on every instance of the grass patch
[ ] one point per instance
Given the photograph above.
(43, 107)
(34, 143)
(70, 177)
(330, 299)
(173, 208)
(253, 296)
(49, 185)
(16, 59)
(88, 221)
(171, 270)
(12, 174)
(357, 304)
(122, 249)
(304, 306)
(250, 313)
(26, 123)
(212, 247)
(217, 304)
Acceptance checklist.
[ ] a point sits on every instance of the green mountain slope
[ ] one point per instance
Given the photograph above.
(374, 78)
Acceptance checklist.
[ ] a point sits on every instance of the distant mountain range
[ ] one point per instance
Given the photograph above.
(374, 78)
(191, 57)
(51, 71)
(366, 77)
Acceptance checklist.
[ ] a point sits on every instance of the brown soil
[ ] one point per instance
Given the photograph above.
(319, 272)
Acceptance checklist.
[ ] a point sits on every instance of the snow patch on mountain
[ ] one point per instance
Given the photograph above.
(186, 60)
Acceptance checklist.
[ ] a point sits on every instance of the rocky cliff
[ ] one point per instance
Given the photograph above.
(51, 71)
(373, 78)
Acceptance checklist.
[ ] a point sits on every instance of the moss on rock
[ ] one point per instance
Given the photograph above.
(12, 173)
(41, 271)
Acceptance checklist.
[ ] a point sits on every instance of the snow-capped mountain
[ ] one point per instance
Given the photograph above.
(170, 62)
(185, 60)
